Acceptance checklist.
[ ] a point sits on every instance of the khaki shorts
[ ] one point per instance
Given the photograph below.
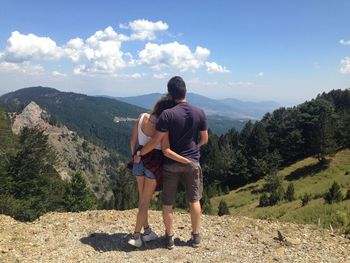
(190, 175)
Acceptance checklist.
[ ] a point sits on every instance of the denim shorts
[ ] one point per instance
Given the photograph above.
(138, 169)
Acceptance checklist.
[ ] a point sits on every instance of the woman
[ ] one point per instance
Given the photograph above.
(148, 170)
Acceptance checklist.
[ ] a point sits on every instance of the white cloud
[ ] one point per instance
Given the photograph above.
(58, 74)
(99, 54)
(213, 67)
(345, 65)
(136, 75)
(260, 74)
(241, 84)
(173, 55)
(143, 29)
(199, 82)
(24, 67)
(102, 53)
(344, 42)
(161, 75)
(20, 48)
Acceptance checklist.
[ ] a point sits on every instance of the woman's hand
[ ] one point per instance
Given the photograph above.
(137, 159)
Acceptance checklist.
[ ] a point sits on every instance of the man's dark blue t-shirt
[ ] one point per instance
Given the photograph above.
(183, 122)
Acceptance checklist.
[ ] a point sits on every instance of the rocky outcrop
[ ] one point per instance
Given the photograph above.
(100, 236)
(32, 116)
(74, 153)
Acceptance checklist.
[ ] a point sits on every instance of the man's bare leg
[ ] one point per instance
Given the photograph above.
(195, 211)
(168, 219)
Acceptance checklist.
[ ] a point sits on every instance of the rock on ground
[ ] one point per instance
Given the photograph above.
(100, 236)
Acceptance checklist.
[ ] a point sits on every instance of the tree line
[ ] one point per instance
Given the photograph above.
(314, 128)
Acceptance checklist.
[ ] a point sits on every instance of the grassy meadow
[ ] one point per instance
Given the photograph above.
(308, 176)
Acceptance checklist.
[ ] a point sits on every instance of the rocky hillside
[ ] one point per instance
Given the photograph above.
(100, 236)
(74, 153)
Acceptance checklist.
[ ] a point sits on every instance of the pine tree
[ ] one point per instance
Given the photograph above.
(290, 193)
(206, 205)
(223, 208)
(334, 194)
(32, 181)
(78, 197)
(305, 200)
(264, 200)
(347, 197)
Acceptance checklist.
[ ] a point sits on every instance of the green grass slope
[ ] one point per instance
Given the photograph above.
(308, 177)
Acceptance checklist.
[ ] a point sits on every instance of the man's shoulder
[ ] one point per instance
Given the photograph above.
(196, 109)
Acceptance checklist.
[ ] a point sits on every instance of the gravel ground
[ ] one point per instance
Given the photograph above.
(100, 236)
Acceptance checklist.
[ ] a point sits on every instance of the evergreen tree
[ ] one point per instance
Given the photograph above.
(290, 193)
(206, 205)
(78, 197)
(223, 208)
(264, 200)
(125, 190)
(334, 194)
(347, 196)
(305, 199)
(276, 196)
(317, 122)
(272, 182)
(32, 182)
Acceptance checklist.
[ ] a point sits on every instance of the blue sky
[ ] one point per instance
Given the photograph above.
(287, 51)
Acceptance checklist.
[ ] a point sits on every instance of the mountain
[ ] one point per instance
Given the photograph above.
(91, 117)
(73, 152)
(231, 108)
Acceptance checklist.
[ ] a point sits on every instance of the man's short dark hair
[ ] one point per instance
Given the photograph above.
(177, 88)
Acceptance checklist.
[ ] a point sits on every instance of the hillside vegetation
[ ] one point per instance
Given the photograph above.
(91, 117)
(308, 176)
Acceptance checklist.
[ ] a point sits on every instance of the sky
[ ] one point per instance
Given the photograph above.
(279, 50)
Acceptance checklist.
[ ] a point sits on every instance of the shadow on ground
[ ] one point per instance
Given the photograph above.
(104, 242)
(309, 170)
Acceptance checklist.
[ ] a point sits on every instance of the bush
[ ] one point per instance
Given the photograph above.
(334, 194)
(347, 196)
(305, 200)
(264, 200)
(290, 193)
(340, 219)
(223, 208)
(206, 205)
(276, 196)
(273, 182)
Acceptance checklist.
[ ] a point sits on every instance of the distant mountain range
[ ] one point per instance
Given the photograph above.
(231, 108)
(91, 117)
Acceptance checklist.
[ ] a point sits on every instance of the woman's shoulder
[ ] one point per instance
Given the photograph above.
(145, 115)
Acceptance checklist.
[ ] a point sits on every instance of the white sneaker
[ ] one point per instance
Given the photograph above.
(149, 237)
(136, 242)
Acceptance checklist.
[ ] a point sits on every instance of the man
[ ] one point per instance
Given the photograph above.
(187, 128)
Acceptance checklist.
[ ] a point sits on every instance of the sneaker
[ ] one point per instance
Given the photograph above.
(169, 241)
(135, 241)
(146, 237)
(195, 240)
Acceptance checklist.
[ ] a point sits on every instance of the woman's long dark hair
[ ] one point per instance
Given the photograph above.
(162, 104)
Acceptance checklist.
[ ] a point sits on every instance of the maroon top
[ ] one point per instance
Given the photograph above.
(153, 161)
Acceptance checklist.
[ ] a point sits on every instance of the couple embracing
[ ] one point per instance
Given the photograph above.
(178, 130)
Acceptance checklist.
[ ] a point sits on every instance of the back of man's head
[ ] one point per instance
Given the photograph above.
(177, 88)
